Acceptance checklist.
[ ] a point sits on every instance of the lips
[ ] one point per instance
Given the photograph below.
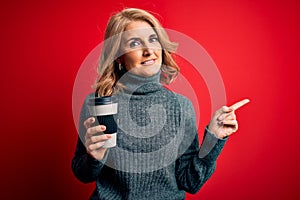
(148, 62)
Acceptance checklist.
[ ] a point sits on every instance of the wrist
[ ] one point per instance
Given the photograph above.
(214, 132)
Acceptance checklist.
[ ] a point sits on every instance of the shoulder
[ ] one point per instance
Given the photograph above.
(84, 108)
(183, 99)
(90, 95)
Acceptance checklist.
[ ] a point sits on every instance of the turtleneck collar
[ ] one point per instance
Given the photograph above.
(135, 84)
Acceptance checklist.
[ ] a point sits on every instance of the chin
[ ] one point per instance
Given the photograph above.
(149, 73)
(146, 72)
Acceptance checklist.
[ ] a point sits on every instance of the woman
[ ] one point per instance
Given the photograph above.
(157, 154)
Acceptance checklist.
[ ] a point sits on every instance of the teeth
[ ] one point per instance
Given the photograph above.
(148, 62)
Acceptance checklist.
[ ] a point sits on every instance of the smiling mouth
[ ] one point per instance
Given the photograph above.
(148, 62)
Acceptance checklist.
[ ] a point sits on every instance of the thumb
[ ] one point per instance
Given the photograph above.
(224, 109)
(87, 123)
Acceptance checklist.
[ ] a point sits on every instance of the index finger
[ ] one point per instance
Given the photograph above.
(239, 104)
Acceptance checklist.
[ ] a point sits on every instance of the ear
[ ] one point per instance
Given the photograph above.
(120, 60)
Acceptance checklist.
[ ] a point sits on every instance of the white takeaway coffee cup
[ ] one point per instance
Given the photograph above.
(105, 109)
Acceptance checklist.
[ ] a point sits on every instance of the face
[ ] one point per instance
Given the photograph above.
(141, 49)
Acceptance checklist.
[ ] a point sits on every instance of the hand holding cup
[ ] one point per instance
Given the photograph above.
(95, 139)
(101, 127)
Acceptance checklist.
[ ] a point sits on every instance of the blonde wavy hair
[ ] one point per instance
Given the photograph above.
(108, 68)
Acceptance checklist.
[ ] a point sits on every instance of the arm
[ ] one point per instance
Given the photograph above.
(84, 166)
(193, 170)
(196, 165)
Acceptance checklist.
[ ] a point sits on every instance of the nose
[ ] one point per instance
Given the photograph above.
(147, 51)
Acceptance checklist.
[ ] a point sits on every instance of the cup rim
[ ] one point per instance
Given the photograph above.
(102, 100)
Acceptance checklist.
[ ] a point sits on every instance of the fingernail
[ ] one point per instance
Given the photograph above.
(108, 136)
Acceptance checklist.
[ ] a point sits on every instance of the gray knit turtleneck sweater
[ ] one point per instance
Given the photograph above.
(157, 154)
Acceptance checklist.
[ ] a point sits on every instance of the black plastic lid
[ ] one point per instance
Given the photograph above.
(102, 100)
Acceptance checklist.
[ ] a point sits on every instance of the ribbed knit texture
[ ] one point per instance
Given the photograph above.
(157, 153)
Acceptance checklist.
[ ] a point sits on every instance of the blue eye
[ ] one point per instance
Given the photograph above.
(154, 39)
(134, 44)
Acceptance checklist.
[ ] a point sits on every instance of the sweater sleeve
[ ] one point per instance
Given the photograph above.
(196, 165)
(85, 167)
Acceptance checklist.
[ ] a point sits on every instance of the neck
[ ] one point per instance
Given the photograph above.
(135, 84)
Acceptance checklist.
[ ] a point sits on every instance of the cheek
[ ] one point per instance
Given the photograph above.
(160, 55)
(132, 57)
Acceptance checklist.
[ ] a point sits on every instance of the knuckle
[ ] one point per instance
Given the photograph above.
(233, 116)
(89, 148)
(86, 123)
(225, 108)
(97, 145)
(100, 144)
(220, 117)
(94, 139)
(89, 131)
(220, 111)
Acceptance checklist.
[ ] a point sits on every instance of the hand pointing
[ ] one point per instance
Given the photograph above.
(239, 104)
(223, 122)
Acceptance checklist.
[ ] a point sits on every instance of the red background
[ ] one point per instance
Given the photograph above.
(255, 44)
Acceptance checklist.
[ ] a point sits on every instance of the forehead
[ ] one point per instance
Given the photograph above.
(138, 28)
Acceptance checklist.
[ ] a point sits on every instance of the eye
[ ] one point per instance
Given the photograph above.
(134, 43)
(153, 39)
